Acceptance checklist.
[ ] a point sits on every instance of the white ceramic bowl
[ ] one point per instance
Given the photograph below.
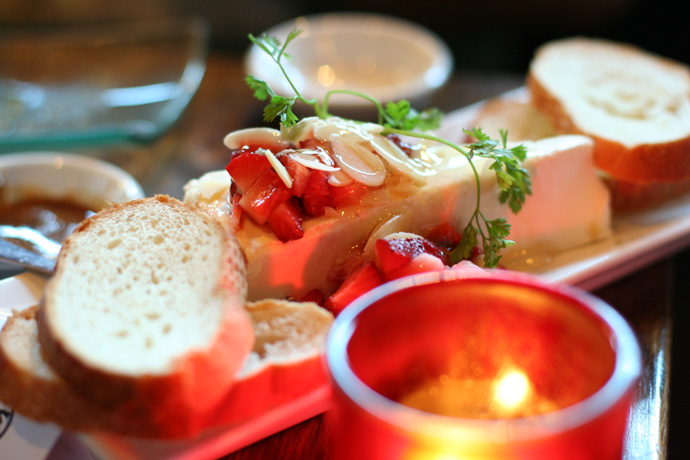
(83, 180)
(385, 57)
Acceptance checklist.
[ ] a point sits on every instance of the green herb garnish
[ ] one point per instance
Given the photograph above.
(400, 118)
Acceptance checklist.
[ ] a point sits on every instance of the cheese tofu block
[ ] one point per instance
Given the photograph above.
(569, 207)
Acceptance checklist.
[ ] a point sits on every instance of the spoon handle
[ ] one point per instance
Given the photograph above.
(17, 255)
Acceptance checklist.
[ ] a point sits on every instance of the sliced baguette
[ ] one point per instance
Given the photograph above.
(145, 312)
(513, 112)
(516, 113)
(634, 104)
(32, 388)
(286, 361)
(286, 364)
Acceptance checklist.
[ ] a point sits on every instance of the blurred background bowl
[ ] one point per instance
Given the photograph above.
(99, 84)
(382, 56)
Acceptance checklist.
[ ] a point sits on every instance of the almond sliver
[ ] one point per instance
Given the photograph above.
(312, 161)
(360, 163)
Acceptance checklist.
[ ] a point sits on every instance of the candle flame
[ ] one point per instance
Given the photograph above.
(512, 389)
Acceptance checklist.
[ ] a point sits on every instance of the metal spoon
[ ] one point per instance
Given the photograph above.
(17, 255)
(44, 245)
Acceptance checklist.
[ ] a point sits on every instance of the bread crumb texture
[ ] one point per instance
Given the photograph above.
(288, 331)
(146, 276)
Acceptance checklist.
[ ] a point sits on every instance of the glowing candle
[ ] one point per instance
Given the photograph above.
(498, 367)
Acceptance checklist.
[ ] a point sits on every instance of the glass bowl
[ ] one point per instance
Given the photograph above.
(85, 86)
(451, 365)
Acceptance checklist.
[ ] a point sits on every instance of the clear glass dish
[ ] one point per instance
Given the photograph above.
(118, 83)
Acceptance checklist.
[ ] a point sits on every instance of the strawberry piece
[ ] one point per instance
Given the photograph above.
(394, 253)
(315, 295)
(286, 222)
(339, 197)
(312, 143)
(406, 147)
(264, 196)
(246, 167)
(365, 278)
(421, 263)
(299, 174)
(445, 235)
(467, 269)
(315, 198)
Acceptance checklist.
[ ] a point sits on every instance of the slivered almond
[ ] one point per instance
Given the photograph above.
(312, 161)
(339, 178)
(360, 163)
(398, 160)
(268, 138)
(278, 167)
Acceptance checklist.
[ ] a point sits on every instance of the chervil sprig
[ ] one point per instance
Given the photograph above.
(400, 118)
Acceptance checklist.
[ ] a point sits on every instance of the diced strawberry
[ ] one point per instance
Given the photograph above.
(316, 193)
(362, 280)
(406, 147)
(421, 263)
(246, 168)
(286, 222)
(394, 253)
(299, 174)
(312, 143)
(315, 295)
(264, 196)
(468, 269)
(345, 196)
(445, 235)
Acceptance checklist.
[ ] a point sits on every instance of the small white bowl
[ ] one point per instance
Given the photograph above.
(85, 180)
(82, 180)
(385, 57)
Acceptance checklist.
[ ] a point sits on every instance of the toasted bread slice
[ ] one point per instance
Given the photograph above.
(634, 104)
(145, 312)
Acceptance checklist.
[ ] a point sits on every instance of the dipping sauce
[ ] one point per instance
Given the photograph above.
(54, 218)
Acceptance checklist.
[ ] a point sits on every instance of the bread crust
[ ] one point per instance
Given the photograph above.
(198, 380)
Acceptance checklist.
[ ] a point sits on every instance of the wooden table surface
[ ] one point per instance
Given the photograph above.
(649, 298)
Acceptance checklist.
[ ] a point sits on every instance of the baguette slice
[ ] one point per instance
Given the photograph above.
(516, 113)
(32, 388)
(145, 312)
(286, 364)
(513, 112)
(634, 104)
(286, 361)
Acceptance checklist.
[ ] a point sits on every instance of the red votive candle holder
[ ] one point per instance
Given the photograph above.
(505, 366)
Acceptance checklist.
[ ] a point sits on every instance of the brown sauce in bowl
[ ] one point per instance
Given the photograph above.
(55, 218)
